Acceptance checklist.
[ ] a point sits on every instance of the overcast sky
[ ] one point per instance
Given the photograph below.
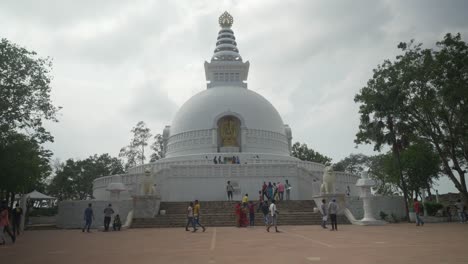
(119, 62)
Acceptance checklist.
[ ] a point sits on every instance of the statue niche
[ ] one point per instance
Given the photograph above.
(228, 127)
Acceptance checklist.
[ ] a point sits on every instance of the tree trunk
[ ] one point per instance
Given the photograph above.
(396, 151)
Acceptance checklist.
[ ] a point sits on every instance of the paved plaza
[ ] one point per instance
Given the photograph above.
(394, 243)
(397, 243)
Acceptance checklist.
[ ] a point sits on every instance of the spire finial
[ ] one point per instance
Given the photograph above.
(226, 20)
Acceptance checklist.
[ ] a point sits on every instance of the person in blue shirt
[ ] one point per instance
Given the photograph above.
(88, 217)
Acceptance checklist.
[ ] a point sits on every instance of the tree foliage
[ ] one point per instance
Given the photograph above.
(24, 104)
(24, 164)
(157, 147)
(24, 92)
(74, 178)
(422, 94)
(134, 153)
(302, 152)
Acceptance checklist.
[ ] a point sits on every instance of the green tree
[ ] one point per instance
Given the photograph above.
(24, 92)
(420, 164)
(74, 179)
(157, 147)
(134, 153)
(302, 152)
(24, 165)
(354, 163)
(24, 104)
(422, 94)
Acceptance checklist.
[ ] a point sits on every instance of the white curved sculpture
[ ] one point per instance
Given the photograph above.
(148, 183)
(329, 180)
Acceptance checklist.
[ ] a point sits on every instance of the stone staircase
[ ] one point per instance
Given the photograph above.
(222, 213)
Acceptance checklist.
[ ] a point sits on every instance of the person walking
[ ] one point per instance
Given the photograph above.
(333, 211)
(190, 218)
(5, 224)
(275, 192)
(17, 213)
(461, 211)
(417, 210)
(108, 212)
(273, 217)
(323, 207)
(252, 213)
(88, 217)
(229, 190)
(288, 190)
(196, 215)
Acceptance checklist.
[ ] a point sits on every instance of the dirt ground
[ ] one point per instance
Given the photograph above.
(393, 243)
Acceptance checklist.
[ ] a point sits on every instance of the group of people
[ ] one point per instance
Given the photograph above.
(226, 160)
(12, 230)
(245, 212)
(276, 191)
(108, 212)
(271, 191)
(193, 217)
(460, 208)
(329, 210)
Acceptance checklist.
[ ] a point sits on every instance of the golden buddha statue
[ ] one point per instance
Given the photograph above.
(229, 133)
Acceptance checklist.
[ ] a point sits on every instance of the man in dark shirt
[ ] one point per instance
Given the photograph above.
(17, 213)
(88, 217)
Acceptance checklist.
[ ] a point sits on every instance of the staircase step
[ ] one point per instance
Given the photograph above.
(222, 213)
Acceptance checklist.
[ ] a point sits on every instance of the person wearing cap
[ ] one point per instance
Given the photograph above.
(332, 212)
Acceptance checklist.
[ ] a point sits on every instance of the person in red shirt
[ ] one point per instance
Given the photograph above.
(417, 210)
(5, 223)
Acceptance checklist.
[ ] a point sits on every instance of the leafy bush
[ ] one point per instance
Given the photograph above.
(433, 207)
(394, 218)
(383, 215)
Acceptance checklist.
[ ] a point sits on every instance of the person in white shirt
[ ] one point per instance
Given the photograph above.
(273, 216)
(190, 218)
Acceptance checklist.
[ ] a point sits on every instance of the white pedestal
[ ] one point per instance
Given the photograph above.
(146, 206)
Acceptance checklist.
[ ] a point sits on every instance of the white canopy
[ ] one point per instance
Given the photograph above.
(35, 195)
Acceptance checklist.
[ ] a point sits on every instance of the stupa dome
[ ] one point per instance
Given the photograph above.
(204, 109)
(227, 117)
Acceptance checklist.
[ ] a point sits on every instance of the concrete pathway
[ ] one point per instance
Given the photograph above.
(393, 243)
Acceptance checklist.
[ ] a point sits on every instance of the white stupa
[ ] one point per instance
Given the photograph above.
(226, 122)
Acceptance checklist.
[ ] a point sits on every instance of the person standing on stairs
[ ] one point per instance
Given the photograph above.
(230, 190)
(196, 215)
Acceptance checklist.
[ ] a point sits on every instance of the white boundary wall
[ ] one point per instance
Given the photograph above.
(71, 213)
